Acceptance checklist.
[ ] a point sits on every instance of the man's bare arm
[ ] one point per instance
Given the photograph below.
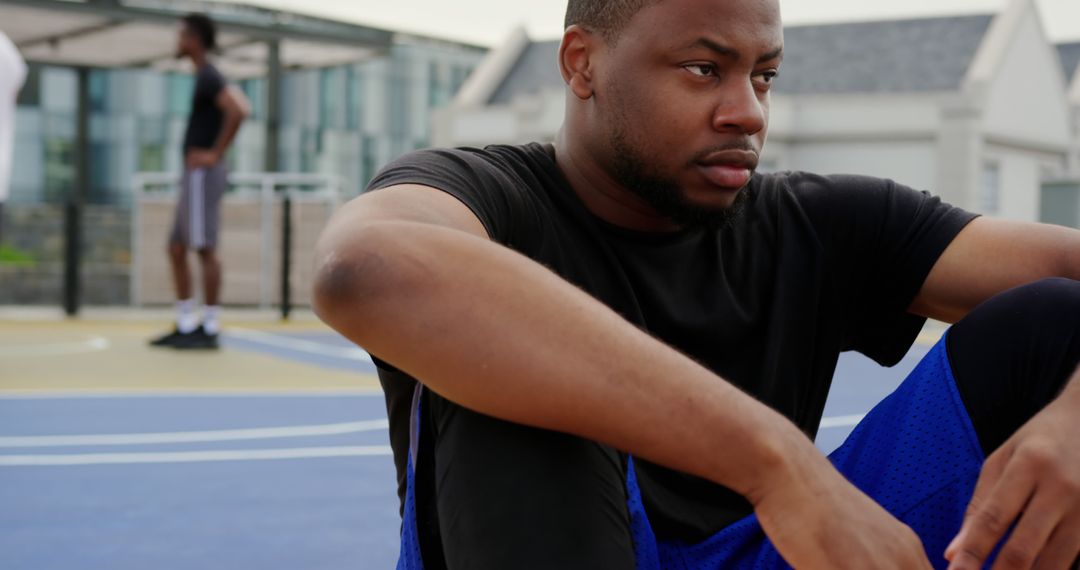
(1033, 479)
(236, 108)
(409, 274)
(991, 256)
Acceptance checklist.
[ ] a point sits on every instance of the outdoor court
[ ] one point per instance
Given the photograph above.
(271, 453)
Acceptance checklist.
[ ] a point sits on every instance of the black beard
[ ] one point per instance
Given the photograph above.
(665, 195)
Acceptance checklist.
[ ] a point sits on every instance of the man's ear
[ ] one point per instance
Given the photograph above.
(576, 55)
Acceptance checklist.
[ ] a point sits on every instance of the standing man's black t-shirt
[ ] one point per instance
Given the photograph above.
(815, 266)
(206, 120)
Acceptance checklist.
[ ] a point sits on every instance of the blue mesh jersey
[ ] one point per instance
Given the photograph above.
(916, 453)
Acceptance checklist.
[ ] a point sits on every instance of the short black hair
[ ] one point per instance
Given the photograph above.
(204, 29)
(605, 17)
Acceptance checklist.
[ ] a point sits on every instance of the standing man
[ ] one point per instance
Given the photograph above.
(12, 77)
(216, 113)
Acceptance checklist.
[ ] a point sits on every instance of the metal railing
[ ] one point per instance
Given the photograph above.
(265, 187)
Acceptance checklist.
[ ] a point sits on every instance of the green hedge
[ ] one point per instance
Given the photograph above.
(12, 256)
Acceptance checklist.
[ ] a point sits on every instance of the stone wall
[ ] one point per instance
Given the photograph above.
(115, 273)
(38, 230)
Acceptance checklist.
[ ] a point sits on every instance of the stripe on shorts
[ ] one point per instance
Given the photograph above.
(197, 200)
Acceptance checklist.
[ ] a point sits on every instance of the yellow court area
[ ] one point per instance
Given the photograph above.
(109, 353)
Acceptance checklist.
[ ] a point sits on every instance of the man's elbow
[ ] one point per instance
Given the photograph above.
(1070, 256)
(352, 273)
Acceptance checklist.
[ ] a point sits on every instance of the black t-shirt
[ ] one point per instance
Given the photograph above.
(206, 120)
(815, 266)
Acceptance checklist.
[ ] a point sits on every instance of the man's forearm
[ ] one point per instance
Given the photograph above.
(231, 126)
(495, 332)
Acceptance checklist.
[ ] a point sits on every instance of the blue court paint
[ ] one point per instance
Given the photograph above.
(332, 513)
(308, 513)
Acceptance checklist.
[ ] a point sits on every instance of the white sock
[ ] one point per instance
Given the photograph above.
(186, 321)
(210, 319)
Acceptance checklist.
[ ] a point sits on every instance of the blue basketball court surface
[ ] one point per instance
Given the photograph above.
(271, 454)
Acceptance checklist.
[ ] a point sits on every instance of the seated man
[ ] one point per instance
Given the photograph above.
(614, 351)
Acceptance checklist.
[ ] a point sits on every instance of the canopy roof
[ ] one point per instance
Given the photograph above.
(140, 33)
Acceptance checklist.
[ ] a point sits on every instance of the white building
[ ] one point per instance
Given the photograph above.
(974, 108)
(1070, 65)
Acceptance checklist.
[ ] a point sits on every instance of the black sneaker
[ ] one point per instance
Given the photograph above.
(168, 339)
(197, 339)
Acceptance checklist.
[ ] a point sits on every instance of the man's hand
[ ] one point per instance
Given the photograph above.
(817, 519)
(199, 158)
(1033, 480)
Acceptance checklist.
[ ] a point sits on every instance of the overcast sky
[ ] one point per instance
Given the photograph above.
(487, 22)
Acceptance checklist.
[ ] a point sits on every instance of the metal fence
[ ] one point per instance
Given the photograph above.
(270, 222)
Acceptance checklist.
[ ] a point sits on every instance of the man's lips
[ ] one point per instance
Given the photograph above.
(731, 177)
(728, 168)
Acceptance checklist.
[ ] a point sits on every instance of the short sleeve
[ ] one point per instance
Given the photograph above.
(881, 240)
(477, 179)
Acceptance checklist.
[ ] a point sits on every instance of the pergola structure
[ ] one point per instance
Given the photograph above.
(106, 34)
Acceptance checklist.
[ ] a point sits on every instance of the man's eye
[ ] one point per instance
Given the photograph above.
(767, 77)
(701, 69)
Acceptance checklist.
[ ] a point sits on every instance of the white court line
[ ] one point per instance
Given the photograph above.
(92, 344)
(195, 393)
(841, 421)
(244, 455)
(346, 352)
(192, 436)
(192, 456)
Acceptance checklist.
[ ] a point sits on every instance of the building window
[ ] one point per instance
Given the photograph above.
(180, 90)
(152, 158)
(368, 160)
(439, 92)
(990, 188)
(30, 94)
(399, 104)
(59, 169)
(354, 88)
(460, 75)
(311, 149)
(99, 90)
(253, 90)
(328, 98)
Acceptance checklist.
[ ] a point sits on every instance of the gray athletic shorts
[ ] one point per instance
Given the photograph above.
(198, 211)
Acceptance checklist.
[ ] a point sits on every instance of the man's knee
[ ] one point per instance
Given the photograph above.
(208, 255)
(1012, 355)
(1054, 298)
(176, 250)
(1031, 308)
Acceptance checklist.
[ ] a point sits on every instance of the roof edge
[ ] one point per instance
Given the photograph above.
(996, 42)
(253, 21)
(897, 19)
(493, 70)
